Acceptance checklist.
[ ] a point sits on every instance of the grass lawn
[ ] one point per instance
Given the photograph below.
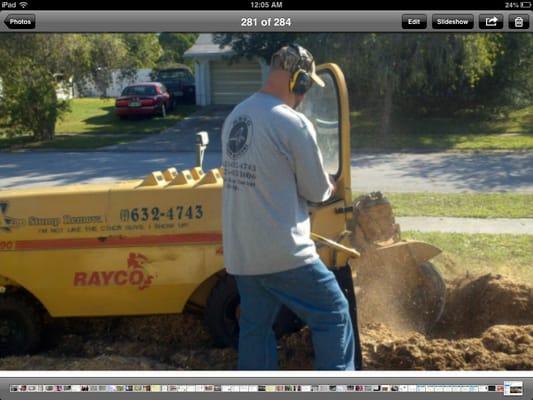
(473, 205)
(514, 132)
(508, 255)
(91, 123)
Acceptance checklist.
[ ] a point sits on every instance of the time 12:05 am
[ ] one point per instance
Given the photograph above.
(266, 4)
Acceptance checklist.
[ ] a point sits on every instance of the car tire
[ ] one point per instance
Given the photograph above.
(221, 315)
(20, 325)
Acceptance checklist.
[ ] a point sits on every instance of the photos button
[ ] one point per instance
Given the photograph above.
(20, 21)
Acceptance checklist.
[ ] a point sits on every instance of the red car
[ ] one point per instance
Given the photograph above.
(151, 98)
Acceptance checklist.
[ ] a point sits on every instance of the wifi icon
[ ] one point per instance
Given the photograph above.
(23, 4)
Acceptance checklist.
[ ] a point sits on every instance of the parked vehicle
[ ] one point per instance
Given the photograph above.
(151, 98)
(179, 82)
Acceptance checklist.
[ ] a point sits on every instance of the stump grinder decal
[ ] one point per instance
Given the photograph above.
(134, 275)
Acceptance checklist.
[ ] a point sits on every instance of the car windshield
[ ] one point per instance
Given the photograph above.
(139, 90)
(321, 106)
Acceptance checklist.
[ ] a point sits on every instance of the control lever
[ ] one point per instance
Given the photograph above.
(202, 140)
(335, 245)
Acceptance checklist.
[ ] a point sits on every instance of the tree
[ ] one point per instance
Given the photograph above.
(398, 69)
(511, 84)
(174, 45)
(30, 64)
(392, 66)
(251, 45)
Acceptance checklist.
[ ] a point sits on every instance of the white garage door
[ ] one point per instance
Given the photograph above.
(231, 83)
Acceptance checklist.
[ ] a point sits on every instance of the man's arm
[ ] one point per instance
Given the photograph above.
(312, 180)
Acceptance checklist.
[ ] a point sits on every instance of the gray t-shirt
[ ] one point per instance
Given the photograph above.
(272, 167)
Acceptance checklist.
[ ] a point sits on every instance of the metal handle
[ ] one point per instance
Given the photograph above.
(335, 245)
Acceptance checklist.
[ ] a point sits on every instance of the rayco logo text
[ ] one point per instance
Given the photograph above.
(134, 275)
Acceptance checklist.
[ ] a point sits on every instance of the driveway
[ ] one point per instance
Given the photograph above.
(182, 136)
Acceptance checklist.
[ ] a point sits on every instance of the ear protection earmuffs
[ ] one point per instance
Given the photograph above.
(300, 81)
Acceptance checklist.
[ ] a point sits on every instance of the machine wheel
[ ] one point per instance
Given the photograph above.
(222, 312)
(222, 315)
(429, 297)
(20, 325)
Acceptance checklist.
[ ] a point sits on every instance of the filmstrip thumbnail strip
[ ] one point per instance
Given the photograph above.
(509, 388)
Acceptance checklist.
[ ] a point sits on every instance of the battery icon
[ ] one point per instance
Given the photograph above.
(525, 4)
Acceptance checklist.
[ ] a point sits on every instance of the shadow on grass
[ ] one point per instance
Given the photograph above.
(467, 130)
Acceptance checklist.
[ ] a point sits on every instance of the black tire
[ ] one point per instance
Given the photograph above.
(221, 315)
(123, 117)
(20, 325)
(221, 312)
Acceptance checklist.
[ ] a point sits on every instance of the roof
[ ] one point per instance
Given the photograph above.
(205, 47)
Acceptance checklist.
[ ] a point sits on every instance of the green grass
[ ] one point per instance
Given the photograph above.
(470, 132)
(91, 115)
(473, 205)
(91, 123)
(508, 255)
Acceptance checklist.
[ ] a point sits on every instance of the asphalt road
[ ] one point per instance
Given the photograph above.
(430, 172)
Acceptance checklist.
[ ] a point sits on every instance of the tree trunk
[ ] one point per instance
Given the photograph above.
(48, 133)
(387, 110)
(46, 125)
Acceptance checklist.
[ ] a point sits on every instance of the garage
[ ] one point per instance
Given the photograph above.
(231, 83)
(219, 81)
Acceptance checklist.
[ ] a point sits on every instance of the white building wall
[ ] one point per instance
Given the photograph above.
(201, 80)
(116, 86)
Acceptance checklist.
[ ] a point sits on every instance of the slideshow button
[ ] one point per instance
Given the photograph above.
(20, 21)
(449, 21)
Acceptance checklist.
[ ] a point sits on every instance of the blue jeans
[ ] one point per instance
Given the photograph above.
(313, 294)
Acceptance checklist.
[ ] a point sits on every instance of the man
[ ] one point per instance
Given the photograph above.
(272, 168)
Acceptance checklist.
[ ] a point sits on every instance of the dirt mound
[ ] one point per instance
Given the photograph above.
(487, 325)
(416, 352)
(475, 304)
(501, 347)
